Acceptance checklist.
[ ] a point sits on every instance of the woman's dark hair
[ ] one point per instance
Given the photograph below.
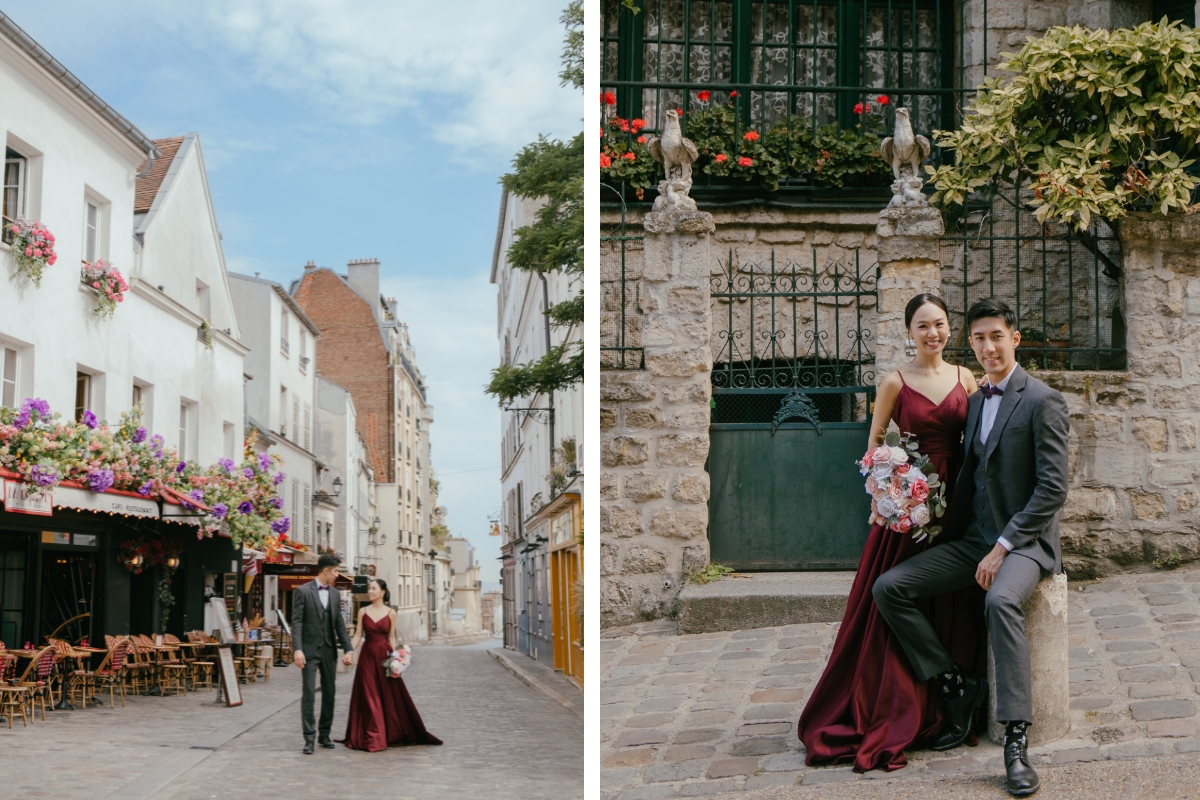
(991, 307)
(387, 596)
(910, 310)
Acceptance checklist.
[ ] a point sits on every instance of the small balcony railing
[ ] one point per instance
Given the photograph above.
(284, 347)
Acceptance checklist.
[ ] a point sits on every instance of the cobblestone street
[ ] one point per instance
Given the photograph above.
(465, 698)
(712, 713)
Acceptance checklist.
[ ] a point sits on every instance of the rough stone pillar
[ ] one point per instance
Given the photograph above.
(1046, 629)
(654, 489)
(909, 241)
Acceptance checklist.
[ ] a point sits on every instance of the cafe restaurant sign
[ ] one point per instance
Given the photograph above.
(17, 499)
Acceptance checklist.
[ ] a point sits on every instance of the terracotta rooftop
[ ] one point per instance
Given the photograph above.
(148, 186)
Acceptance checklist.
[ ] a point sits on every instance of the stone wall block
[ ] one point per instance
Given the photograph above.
(608, 486)
(609, 553)
(691, 487)
(694, 391)
(1046, 629)
(624, 451)
(621, 521)
(1151, 432)
(680, 523)
(1160, 365)
(1185, 434)
(682, 450)
(1147, 506)
(608, 419)
(691, 417)
(1174, 474)
(640, 559)
(622, 386)
(1043, 16)
(647, 417)
(643, 486)
(1084, 503)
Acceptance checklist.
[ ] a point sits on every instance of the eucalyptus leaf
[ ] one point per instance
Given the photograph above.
(891, 439)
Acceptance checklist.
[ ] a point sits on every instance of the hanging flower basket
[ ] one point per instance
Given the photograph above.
(32, 248)
(108, 282)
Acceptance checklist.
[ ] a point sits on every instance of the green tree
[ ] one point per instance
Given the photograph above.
(552, 171)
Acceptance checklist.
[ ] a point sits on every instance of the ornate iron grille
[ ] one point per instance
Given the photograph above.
(793, 326)
(620, 288)
(1064, 286)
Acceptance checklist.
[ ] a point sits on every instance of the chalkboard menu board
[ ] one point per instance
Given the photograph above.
(230, 594)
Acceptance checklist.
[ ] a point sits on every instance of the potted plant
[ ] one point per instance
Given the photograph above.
(109, 284)
(32, 248)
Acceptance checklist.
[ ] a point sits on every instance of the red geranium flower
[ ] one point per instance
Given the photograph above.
(882, 100)
(733, 93)
(751, 136)
(704, 95)
(638, 124)
(624, 126)
(610, 99)
(605, 161)
(642, 139)
(719, 157)
(745, 162)
(679, 111)
(858, 108)
(629, 156)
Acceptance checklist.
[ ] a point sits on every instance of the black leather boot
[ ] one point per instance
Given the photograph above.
(958, 708)
(1021, 779)
(308, 747)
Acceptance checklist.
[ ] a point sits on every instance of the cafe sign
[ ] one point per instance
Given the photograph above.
(18, 499)
(107, 502)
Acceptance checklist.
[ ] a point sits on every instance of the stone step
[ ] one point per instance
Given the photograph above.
(763, 600)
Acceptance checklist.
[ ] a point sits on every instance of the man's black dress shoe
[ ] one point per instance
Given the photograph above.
(1021, 779)
(308, 748)
(958, 711)
(326, 742)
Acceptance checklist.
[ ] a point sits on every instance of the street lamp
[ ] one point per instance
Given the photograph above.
(319, 497)
(172, 562)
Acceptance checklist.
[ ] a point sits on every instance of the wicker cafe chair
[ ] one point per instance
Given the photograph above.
(37, 679)
(172, 672)
(138, 666)
(12, 698)
(111, 673)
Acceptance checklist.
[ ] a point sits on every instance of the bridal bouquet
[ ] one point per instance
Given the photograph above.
(906, 495)
(397, 661)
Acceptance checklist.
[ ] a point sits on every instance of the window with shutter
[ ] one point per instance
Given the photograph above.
(296, 419)
(307, 511)
(308, 427)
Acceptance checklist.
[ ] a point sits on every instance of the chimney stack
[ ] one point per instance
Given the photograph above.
(363, 274)
(310, 265)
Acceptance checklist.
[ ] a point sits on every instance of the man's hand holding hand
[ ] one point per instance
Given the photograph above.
(986, 573)
(348, 659)
(298, 657)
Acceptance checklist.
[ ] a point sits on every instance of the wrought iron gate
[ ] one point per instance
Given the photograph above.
(793, 382)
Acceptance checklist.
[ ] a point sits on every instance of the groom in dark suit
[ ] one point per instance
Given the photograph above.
(1011, 486)
(317, 629)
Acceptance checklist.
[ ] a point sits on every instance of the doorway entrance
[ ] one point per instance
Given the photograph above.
(68, 595)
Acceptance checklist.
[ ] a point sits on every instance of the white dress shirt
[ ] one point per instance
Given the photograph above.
(987, 418)
(325, 595)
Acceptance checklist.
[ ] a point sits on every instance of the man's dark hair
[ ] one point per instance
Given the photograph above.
(326, 561)
(991, 307)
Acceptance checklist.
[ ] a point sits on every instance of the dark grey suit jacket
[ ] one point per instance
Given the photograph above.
(1025, 468)
(308, 618)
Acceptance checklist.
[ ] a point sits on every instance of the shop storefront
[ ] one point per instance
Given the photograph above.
(566, 586)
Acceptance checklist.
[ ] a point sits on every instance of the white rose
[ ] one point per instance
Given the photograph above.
(920, 515)
(899, 456)
(882, 473)
(886, 507)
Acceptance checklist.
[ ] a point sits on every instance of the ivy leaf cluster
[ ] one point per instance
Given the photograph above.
(1092, 123)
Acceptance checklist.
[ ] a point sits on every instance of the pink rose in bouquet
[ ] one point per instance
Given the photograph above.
(906, 493)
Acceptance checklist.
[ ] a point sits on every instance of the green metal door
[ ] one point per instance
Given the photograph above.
(792, 393)
(787, 498)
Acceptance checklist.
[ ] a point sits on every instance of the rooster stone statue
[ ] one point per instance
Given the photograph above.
(905, 151)
(676, 154)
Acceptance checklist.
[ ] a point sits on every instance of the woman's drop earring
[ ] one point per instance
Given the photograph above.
(910, 348)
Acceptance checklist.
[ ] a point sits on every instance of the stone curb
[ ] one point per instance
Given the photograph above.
(534, 683)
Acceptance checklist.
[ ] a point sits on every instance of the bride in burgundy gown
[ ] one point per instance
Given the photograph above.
(868, 707)
(382, 714)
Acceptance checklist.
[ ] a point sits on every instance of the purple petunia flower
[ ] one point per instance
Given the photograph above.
(196, 495)
(248, 472)
(275, 502)
(279, 478)
(281, 525)
(182, 466)
(139, 435)
(100, 479)
(43, 476)
(89, 419)
(144, 489)
(226, 464)
(22, 419)
(219, 510)
(36, 404)
(244, 507)
(264, 462)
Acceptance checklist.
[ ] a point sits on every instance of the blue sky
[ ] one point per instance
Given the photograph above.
(335, 130)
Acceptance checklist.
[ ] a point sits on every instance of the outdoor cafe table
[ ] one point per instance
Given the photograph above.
(80, 654)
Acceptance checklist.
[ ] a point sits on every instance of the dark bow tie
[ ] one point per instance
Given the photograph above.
(991, 391)
(322, 588)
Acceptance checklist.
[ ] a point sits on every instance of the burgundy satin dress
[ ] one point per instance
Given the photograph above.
(382, 714)
(868, 706)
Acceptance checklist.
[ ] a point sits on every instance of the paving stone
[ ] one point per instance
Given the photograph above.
(1112, 611)
(641, 669)
(827, 775)
(646, 793)
(1138, 658)
(1078, 653)
(706, 788)
(694, 646)
(709, 717)
(624, 680)
(777, 696)
(1156, 588)
(1082, 675)
(1165, 599)
(1179, 626)
(1161, 709)
(659, 704)
(772, 711)
(787, 762)
(1178, 617)
(727, 767)
(1145, 674)
(798, 641)
(755, 633)
(751, 644)
(696, 735)
(740, 654)
(649, 647)
(1076, 754)
(770, 779)
(1195, 673)
(635, 738)
(1135, 749)
(724, 686)
(1108, 734)
(629, 758)
(945, 766)
(1172, 728)
(1118, 634)
(676, 680)
(1188, 746)
(646, 658)
(698, 657)
(792, 668)
(1184, 636)
(907, 771)
(1128, 647)
(759, 746)
(1159, 689)
(798, 654)
(1090, 703)
(688, 752)
(660, 773)
(1125, 621)
(766, 728)
(780, 681)
(649, 720)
